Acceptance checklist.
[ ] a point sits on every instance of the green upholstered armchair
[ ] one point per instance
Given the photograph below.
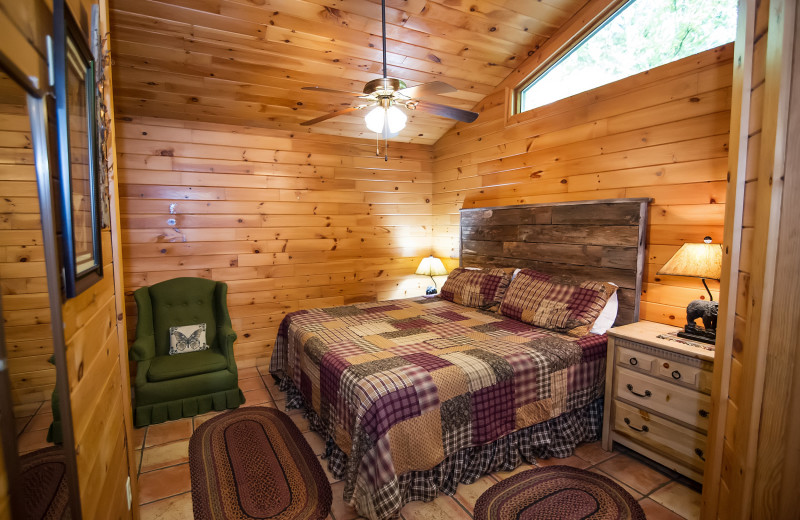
(183, 385)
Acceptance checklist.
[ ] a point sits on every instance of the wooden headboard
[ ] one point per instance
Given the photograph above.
(599, 240)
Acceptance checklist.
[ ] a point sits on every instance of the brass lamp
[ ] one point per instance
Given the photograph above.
(431, 266)
(702, 261)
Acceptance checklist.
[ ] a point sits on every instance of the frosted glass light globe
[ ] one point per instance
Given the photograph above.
(375, 119)
(397, 119)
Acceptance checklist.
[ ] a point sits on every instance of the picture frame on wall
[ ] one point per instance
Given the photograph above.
(78, 164)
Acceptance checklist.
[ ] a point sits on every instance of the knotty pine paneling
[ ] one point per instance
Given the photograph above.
(287, 221)
(244, 63)
(662, 134)
(26, 309)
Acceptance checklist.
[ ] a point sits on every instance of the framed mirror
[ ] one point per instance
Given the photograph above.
(77, 156)
(39, 466)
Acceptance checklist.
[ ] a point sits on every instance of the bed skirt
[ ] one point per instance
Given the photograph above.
(556, 437)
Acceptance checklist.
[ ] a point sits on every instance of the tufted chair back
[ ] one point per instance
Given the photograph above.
(186, 301)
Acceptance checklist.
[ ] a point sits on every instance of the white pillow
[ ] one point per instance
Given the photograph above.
(514, 274)
(607, 316)
(187, 338)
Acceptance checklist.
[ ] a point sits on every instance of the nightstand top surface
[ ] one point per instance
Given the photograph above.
(647, 332)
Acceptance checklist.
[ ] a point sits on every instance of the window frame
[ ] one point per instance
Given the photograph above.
(514, 95)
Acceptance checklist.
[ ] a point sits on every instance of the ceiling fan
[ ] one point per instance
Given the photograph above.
(387, 94)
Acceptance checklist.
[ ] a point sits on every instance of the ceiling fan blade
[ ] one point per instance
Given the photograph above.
(332, 91)
(445, 111)
(427, 89)
(328, 116)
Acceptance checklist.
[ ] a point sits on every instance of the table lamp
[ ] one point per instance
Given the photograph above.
(702, 261)
(431, 266)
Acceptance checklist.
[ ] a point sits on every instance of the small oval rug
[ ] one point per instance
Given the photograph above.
(254, 463)
(560, 492)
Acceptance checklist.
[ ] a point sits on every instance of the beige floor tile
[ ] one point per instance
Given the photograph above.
(655, 511)
(254, 397)
(254, 383)
(174, 508)
(501, 475)
(301, 422)
(40, 421)
(572, 460)
(167, 432)
(593, 453)
(340, 510)
(247, 373)
(20, 423)
(138, 437)
(200, 419)
(316, 442)
(164, 455)
(164, 483)
(443, 508)
(468, 494)
(640, 477)
(635, 494)
(680, 499)
(32, 441)
(281, 405)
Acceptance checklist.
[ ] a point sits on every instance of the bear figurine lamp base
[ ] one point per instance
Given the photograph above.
(702, 261)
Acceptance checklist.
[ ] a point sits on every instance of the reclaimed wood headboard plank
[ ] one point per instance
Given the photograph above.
(600, 240)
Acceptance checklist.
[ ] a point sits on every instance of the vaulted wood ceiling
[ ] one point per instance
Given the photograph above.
(245, 61)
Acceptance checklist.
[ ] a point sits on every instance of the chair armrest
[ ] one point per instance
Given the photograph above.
(141, 373)
(225, 338)
(143, 348)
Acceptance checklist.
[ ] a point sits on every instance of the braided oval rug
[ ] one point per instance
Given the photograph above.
(254, 463)
(560, 492)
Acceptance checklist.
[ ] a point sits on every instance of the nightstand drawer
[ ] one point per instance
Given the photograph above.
(636, 360)
(661, 435)
(695, 376)
(683, 404)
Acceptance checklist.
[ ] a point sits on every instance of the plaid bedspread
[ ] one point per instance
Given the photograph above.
(400, 385)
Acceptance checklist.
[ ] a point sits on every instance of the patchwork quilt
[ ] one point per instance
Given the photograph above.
(400, 385)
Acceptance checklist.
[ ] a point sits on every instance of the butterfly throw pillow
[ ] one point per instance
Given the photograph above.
(187, 338)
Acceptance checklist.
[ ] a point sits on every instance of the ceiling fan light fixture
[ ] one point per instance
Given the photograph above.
(377, 117)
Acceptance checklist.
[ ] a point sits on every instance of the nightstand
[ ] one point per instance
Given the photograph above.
(658, 395)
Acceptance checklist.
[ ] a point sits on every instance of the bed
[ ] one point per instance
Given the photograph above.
(418, 395)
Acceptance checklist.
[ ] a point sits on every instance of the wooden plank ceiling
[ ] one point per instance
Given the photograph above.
(244, 62)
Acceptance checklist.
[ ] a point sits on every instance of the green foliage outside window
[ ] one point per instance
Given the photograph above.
(642, 35)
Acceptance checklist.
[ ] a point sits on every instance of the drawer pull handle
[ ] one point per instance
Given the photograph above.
(700, 454)
(646, 393)
(676, 374)
(633, 361)
(703, 413)
(644, 428)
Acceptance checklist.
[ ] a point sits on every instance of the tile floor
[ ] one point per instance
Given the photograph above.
(164, 483)
(32, 421)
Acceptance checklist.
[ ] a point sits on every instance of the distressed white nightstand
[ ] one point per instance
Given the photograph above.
(658, 395)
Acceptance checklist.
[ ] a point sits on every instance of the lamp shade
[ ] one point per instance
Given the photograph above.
(431, 266)
(698, 260)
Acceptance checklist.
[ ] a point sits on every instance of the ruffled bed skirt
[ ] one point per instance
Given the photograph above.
(556, 437)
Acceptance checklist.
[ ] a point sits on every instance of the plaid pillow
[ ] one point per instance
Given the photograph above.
(551, 303)
(479, 288)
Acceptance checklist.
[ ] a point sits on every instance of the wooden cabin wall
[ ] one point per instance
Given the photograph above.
(97, 372)
(752, 465)
(661, 134)
(26, 309)
(289, 221)
(97, 362)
